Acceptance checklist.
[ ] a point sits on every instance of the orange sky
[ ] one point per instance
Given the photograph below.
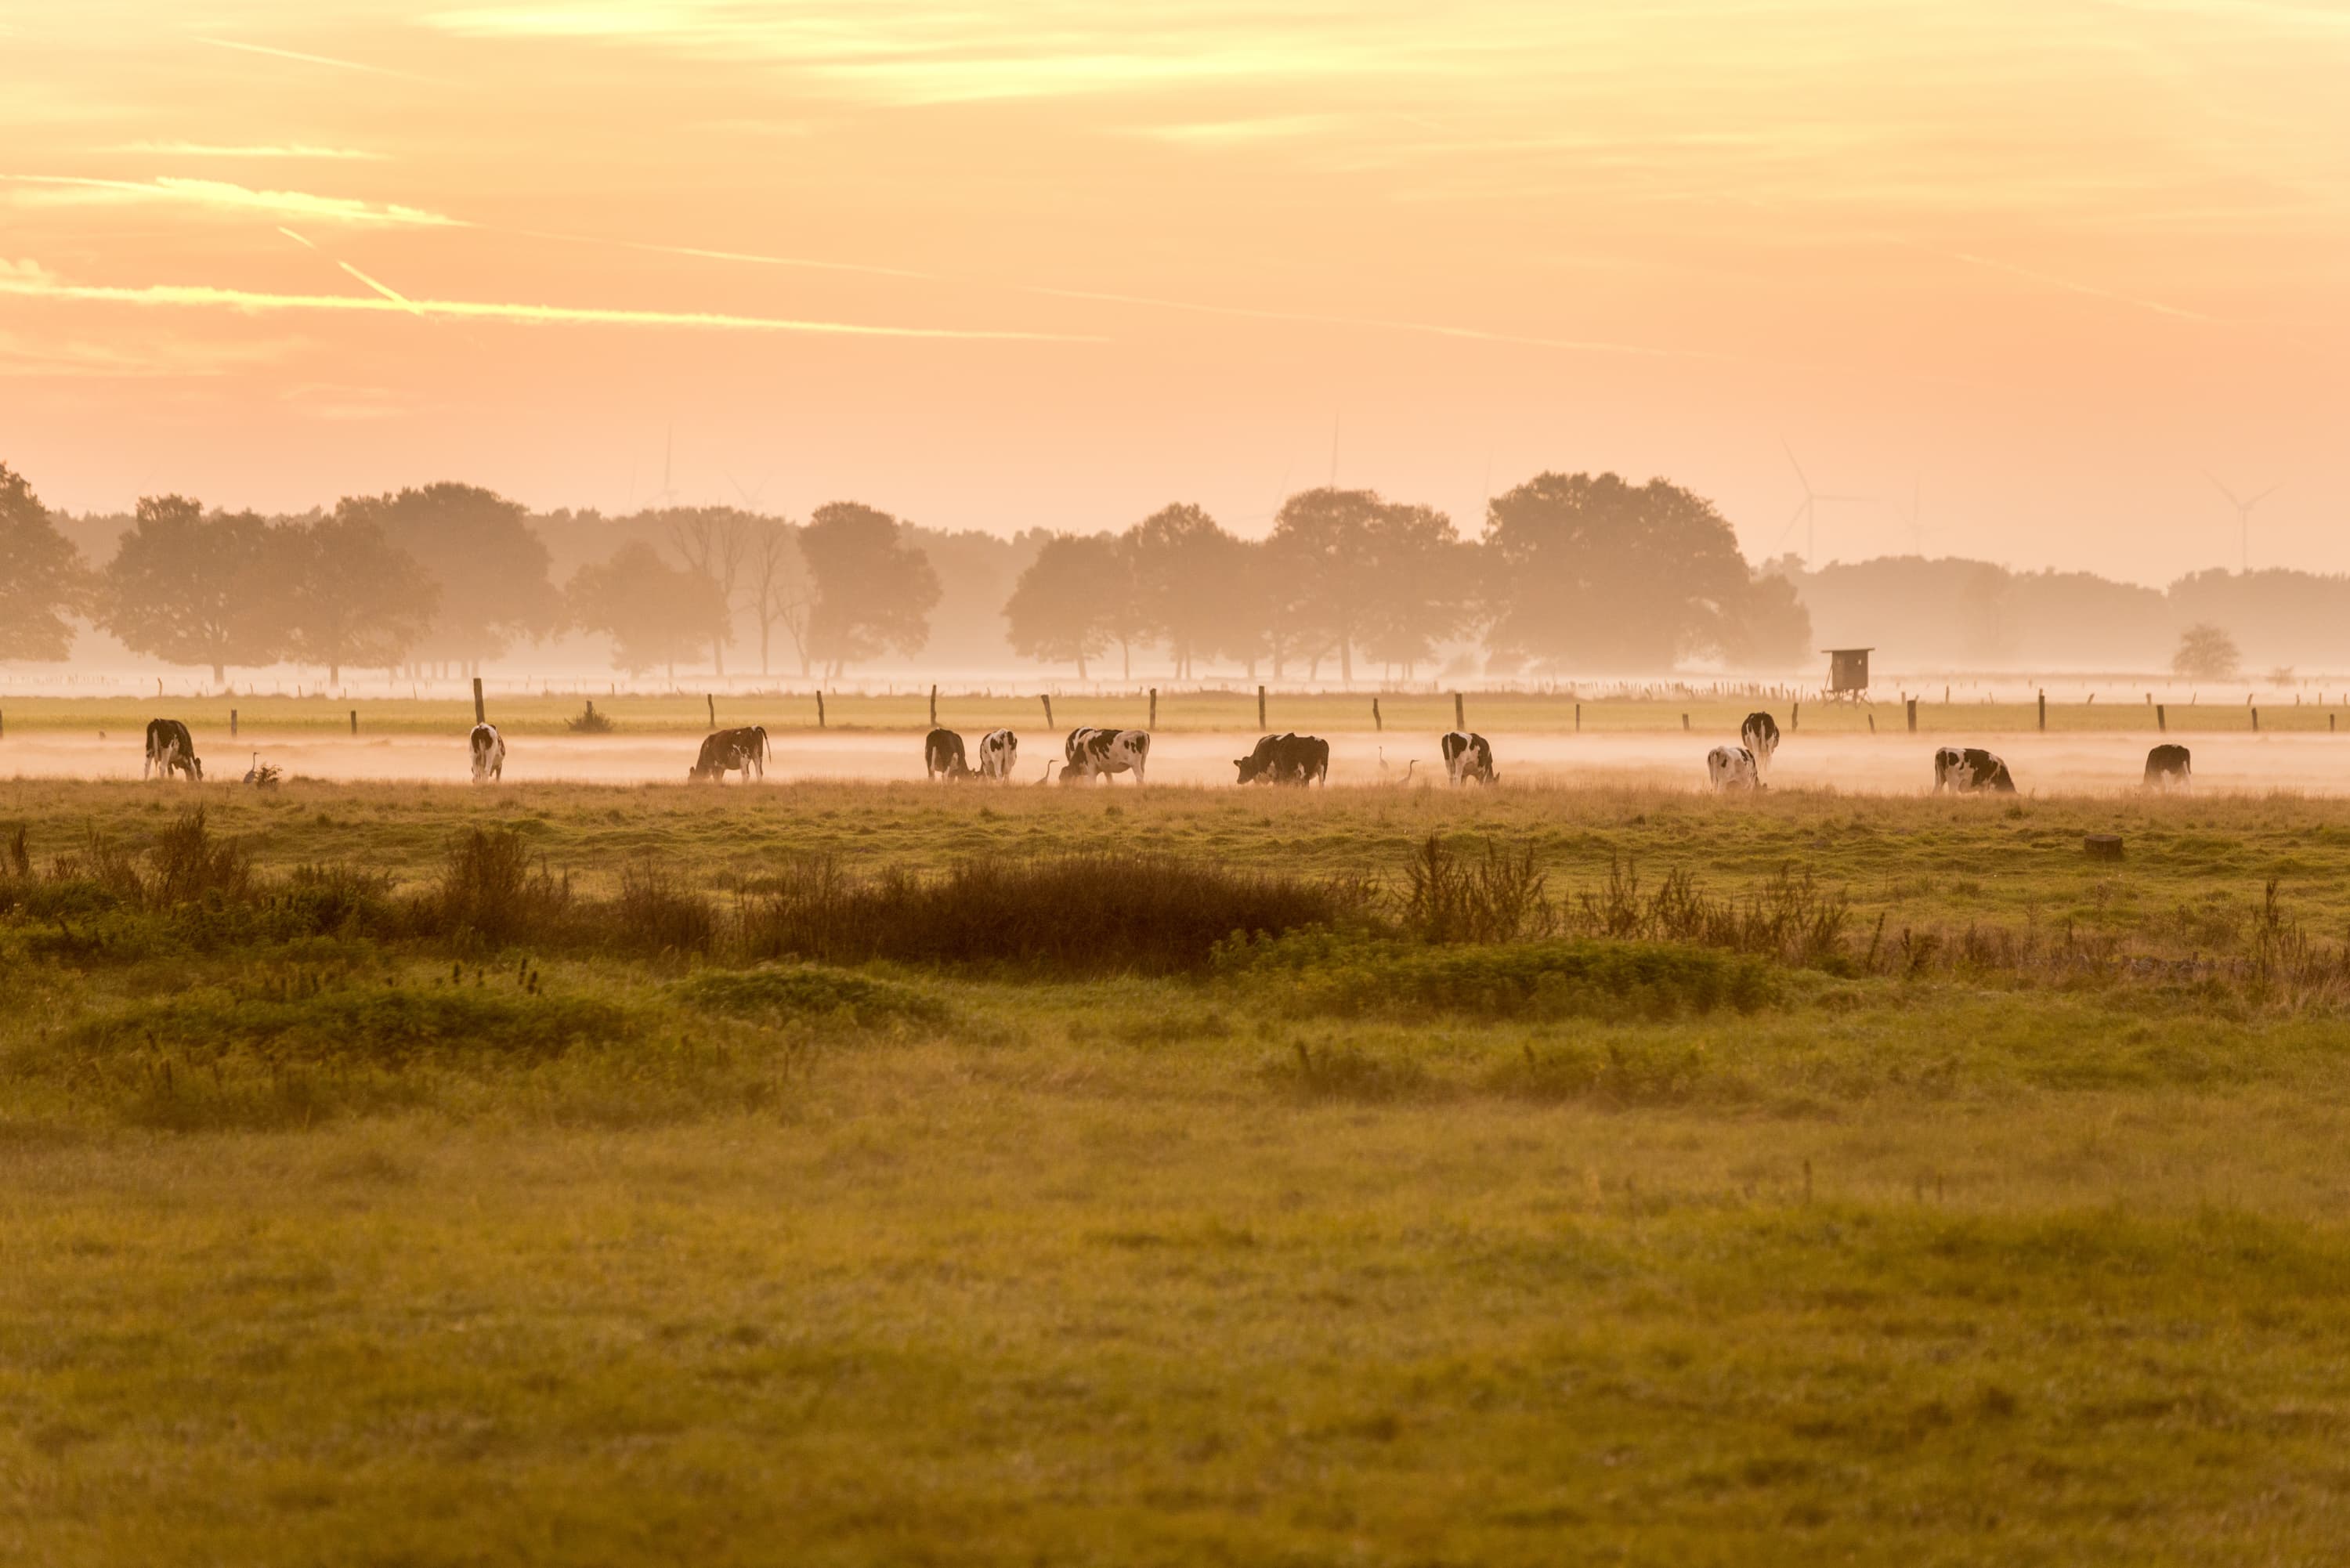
(1059, 262)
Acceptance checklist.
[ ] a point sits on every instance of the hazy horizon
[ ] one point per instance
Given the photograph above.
(2037, 268)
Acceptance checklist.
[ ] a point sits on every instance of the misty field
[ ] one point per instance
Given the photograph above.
(837, 1174)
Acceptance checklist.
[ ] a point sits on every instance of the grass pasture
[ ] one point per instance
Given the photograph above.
(401, 1174)
(1179, 710)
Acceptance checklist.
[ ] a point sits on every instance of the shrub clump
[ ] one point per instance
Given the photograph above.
(1318, 974)
(1093, 913)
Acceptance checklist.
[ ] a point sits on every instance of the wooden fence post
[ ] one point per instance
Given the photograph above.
(1376, 723)
(480, 715)
(232, 723)
(1913, 715)
(2043, 709)
(1685, 724)
(1048, 710)
(2162, 717)
(819, 709)
(1795, 718)
(1872, 724)
(1260, 707)
(1578, 718)
(2256, 720)
(934, 706)
(1154, 708)
(354, 721)
(1460, 714)
(706, 697)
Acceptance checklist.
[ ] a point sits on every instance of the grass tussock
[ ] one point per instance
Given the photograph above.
(1094, 913)
(790, 996)
(1322, 973)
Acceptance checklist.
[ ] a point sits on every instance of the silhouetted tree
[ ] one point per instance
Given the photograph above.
(654, 613)
(1321, 551)
(192, 588)
(1186, 570)
(1596, 574)
(42, 578)
(713, 542)
(1422, 580)
(1767, 627)
(356, 599)
(491, 569)
(873, 590)
(1059, 609)
(775, 582)
(2206, 653)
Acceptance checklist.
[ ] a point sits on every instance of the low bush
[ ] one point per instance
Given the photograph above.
(1075, 914)
(1318, 974)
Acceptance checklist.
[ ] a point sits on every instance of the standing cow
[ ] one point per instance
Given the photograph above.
(729, 751)
(943, 755)
(998, 750)
(1467, 757)
(1732, 767)
(1973, 770)
(1759, 735)
(171, 750)
(1287, 759)
(1097, 754)
(489, 749)
(2168, 764)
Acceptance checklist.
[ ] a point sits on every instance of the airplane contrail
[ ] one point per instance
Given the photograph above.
(255, 302)
(317, 60)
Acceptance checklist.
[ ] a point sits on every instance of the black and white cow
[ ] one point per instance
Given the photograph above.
(998, 750)
(1097, 754)
(727, 750)
(1732, 767)
(489, 750)
(1287, 759)
(1466, 757)
(170, 750)
(1970, 771)
(2169, 764)
(1759, 735)
(943, 755)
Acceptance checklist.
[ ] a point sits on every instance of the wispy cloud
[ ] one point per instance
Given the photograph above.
(219, 195)
(254, 302)
(1232, 132)
(212, 149)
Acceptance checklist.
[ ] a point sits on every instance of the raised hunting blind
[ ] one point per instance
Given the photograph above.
(1847, 671)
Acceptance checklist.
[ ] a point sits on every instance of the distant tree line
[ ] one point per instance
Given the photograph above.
(1581, 573)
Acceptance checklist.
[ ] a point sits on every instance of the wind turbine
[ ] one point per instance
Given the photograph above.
(2244, 518)
(1807, 511)
(750, 497)
(667, 496)
(1916, 535)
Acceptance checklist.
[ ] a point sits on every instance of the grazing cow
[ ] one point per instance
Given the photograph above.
(1097, 754)
(1970, 771)
(1733, 767)
(725, 751)
(2169, 764)
(1466, 757)
(1287, 759)
(942, 753)
(489, 750)
(1759, 735)
(170, 750)
(998, 750)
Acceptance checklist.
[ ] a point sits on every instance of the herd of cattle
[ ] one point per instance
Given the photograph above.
(1285, 759)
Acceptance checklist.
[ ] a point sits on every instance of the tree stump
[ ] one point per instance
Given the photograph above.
(2102, 845)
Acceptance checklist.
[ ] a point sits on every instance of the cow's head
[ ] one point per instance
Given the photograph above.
(1250, 767)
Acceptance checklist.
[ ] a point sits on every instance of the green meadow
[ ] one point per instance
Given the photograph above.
(839, 1174)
